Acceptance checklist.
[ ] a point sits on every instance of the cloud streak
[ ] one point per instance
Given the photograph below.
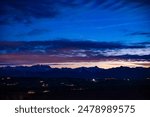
(26, 10)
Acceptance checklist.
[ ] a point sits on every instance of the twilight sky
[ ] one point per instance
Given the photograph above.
(75, 33)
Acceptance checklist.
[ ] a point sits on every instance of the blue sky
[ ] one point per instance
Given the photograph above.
(124, 22)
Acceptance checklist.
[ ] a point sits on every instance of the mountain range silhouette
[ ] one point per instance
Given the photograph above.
(44, 71)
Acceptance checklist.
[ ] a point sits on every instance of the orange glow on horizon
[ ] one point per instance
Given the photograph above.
(101, 64)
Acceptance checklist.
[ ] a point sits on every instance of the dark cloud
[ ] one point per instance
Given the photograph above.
(47, 59)
(134, 57)
(64, 44)
(66, 50)
(27, 10)
(144, 43)
(147, 34)
(61, 51)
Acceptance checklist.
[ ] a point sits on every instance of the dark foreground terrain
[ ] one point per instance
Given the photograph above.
(74, 88)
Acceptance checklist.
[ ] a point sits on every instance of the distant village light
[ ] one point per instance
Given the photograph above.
(44, 85)
(46, 91)
(41, 81)
(3, 78)
(93, 80)
(8, 78)
(31, 92)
